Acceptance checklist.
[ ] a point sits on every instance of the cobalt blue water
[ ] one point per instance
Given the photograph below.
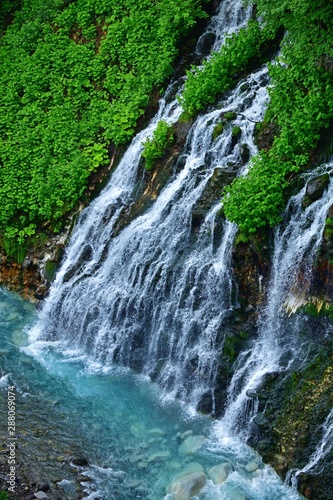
(137, 444)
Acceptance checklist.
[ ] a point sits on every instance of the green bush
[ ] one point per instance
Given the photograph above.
(155, 147)
(74, 77)
(301, 105)
(218, 74)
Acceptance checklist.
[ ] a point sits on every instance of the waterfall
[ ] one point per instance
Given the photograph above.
(295, 245)
(155, 296)
(234, 15)
(323, 448)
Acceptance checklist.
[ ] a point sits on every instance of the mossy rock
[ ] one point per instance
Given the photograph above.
(236, 132)
(218, 129)
(50, 270)
(230, 115)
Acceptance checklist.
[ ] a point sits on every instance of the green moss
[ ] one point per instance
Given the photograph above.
(236, 132)
(185, 117)
(318, 309)
(230, 115)
(50, 270)
(229, 347)
(218, 129)
(329, 222)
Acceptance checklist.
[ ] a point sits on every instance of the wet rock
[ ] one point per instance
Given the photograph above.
(186, 434)
(244, 153)
(40, 495)
(49, 270)
(315, 189)
(191, 445)
(80, 461)
(251, 466)
(220, 472)
(41, 292)
(260, 420)
(205, 44)
(83, 479)
(44, 487)
(157, 432)
(159, 455)
(181, 130)
(187, 486)
(205, 404)
(308, 492)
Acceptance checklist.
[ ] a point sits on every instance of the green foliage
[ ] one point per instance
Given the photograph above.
(3, 495)
(74, 77)
(7, 10)
(155, 147)
(301, 105)
(217, 75)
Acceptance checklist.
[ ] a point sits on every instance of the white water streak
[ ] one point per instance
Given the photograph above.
(155, 297)
(296, 244)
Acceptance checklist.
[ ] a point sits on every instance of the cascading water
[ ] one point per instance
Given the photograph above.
(155, 297)
(323, 448)
(234, 15)
(295, 246)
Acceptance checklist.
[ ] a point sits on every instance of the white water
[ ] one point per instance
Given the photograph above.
(323, 448)
(234, 15)
(295, 245)
(156, 296)
(113, 418)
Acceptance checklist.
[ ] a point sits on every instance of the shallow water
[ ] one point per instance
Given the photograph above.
(131, 437)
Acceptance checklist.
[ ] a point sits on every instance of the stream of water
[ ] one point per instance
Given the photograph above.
(136, 443)
(155, 297)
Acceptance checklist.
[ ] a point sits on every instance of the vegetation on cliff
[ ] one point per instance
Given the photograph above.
(75, 77)
(154, 148)
(301, 101)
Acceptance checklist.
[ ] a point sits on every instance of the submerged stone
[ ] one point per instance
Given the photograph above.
(156, 432)
(191, 444)
(220, 472)
(186, 434)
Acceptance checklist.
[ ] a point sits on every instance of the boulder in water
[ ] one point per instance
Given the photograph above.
(41, 495)
(187, 486)
(220, 472)
(252, 466)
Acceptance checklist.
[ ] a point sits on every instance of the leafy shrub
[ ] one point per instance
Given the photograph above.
(155, 147)
(301, 105)
(74, 77)
(217, 74)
